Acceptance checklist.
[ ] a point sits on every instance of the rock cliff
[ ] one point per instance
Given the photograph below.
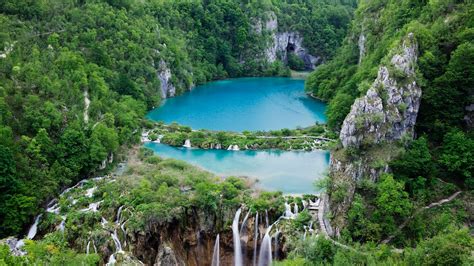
(166, 86)
(282, 43)
(376, 122)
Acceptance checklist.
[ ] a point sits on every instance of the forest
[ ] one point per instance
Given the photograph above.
(78, 76)
(56, 54)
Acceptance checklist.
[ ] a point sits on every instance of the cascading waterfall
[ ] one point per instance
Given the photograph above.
(118, 245)
(265, 256)
(255, 240)
(288, 213)
(215, 254)
(296, 209)
(244, 235)
(62, 225)
(34, 227)
(87, 247)
(187, 143)
(236, 238)
(117, 221)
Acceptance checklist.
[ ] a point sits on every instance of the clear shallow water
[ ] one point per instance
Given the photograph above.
(286, 171)
(243, 104)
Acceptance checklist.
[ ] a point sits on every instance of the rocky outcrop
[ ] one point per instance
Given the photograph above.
(166, 257)
(164, 75)
(389, 109)
(376, 122)
(283, 43)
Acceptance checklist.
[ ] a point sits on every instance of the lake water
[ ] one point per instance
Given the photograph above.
(249, 104)
(292, 172)
(243, 104)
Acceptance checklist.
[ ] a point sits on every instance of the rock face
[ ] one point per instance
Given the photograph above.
(385, 115)
(389, 109)
(164, 75)
(283, 43)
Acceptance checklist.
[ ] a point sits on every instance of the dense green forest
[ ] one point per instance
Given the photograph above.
(435, 165)
(76, 77)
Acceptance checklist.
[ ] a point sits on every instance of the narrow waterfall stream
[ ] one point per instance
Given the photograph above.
(34, 228)
(265, 255)
(215, 254)
(236, 238)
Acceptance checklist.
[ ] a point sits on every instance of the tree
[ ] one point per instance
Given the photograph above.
(457, 156)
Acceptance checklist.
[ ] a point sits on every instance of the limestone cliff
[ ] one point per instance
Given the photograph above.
(376, 122)
(166, 86)
(283, 43)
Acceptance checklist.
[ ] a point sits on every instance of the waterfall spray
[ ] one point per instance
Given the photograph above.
(265, 256)
(215, 254)
(34, 228)
(236, 237)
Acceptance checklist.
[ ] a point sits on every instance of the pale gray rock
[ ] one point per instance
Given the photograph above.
(164, 75)
(389, 109)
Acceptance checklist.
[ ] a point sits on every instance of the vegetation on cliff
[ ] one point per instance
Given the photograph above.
(425, 202)
(78, 76)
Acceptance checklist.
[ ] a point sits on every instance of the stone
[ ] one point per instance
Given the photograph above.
(164, 75)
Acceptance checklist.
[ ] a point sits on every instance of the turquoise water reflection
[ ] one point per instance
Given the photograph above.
(287, 171)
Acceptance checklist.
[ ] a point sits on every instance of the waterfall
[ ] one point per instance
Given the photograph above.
(187, 143)
(244, 238)
(288, 213)
(266, 218)
(255, 240)
(265, 256)
(296, 208)
(215, 254)
(90, 192)
(111, 261)
(34, 227)
(62, 225)
(87, 247)
(236, 237)
(117, 221)
(305, 204)
(103, 222)
(118, 245)
(244, 222)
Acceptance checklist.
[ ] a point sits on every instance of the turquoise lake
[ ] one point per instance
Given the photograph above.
(249, 104)
(243, 104)
(292, 172)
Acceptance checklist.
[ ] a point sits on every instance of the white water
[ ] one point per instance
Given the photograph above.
(112, 260)
(215, 254)
(34, 228)
(255, 240)
(92, 207)
(103, 222)
(187, 143)
(288, 213)
(87, 247)
(62, 225)
(87, 102)
(265, 255)
(236, 238)
(117, 221)
(243, 228)
(90, 192)
(118, 245)
(233, 148)
(296, 209)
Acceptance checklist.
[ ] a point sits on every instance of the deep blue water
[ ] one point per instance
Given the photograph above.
(243, 104)
(292, 172)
